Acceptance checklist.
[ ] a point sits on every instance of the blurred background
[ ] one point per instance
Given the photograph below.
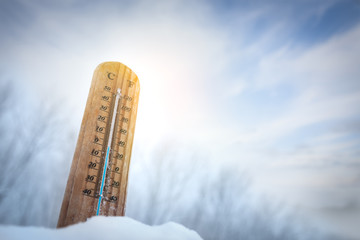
(248, 124)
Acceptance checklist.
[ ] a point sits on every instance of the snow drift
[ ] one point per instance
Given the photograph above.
(101, 227)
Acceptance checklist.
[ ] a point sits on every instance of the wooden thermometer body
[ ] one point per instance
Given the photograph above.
(98, 176)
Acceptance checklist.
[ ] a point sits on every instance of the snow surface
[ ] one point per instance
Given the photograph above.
(101, 227)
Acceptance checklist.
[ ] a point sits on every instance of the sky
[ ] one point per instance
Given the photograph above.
(269, 87)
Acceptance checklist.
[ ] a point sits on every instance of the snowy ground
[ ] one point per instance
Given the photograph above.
(101, 227)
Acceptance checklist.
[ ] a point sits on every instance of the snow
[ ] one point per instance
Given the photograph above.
(102, 227)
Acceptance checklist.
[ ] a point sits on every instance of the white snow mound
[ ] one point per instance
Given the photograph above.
(101, 227)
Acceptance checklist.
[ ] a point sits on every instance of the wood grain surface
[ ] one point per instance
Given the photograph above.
(83, 187)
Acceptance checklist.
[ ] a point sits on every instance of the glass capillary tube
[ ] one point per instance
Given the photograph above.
(118, 95)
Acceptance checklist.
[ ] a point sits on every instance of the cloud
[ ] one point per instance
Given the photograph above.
(298, 150)
(248, 83)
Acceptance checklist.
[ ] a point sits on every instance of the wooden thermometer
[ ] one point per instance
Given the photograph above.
(99, 172)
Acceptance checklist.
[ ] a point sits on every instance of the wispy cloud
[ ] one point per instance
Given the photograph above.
(272, 87)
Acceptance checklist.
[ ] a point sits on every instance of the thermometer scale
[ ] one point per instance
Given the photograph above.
(98, 176)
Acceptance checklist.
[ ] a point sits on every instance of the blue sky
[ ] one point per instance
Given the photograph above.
(271, 87)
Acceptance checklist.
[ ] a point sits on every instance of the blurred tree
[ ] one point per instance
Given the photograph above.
(213, 199)
(170, 184)
(33, 155)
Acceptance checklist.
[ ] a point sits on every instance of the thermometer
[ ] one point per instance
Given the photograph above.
(97, 182)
